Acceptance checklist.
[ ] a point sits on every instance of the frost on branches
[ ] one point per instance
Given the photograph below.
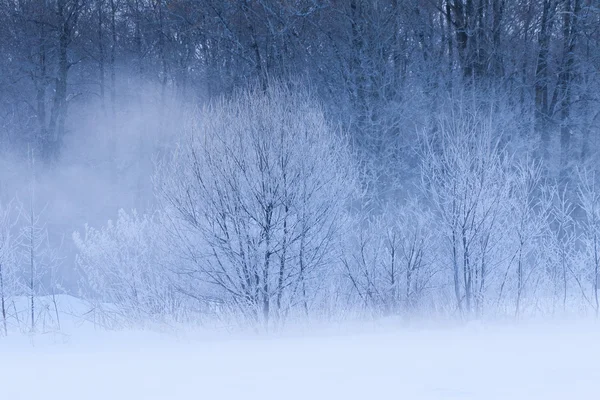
(256, 198)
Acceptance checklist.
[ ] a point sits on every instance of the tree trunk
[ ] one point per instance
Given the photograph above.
(2, 301)
(101, 73)
(519, 280)
(596, 273)
(113, 49)
(32, 274)
(542, 109)
(282, 264)
(565, 80)
(456, 272)
(67, 20)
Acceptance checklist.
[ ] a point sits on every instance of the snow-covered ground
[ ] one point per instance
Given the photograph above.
(530, 361)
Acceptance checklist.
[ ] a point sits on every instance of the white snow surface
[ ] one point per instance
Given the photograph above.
(526, 361)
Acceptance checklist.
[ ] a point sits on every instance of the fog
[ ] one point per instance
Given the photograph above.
(299, 199)
(527, 361)
(267, 168)
(105, 164)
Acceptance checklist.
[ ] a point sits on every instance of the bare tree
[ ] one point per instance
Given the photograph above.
(589, 201)
(528, 218)
(389, 258)
(8, 249)
(34, 243)
(465, 173)
(561, 246)
(257, 196)
(122, 269)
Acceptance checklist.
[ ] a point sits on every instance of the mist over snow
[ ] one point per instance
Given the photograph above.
(310, 198)
(530, 361)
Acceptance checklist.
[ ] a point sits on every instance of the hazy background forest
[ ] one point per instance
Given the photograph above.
(260, 162)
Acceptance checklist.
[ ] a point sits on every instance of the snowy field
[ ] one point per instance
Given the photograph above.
(534, 361)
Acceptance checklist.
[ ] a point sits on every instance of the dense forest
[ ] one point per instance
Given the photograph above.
(265, 161)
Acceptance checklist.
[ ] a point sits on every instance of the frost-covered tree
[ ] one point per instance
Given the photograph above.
(35, 251)
(589, 202)
(560, 247)
(8, 252)
(528, 217)
(465, 174)
(122, 268)
(256, 196)
(389, 259)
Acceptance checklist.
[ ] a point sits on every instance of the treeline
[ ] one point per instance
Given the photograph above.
(378, 66)
(308, 158)
(264, 214)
